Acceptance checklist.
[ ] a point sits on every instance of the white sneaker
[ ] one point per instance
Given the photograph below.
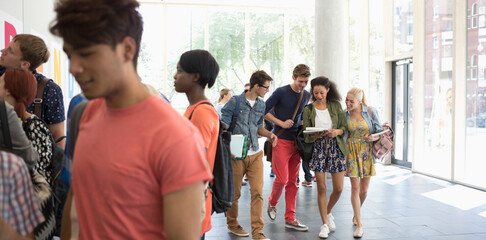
(324, 233)
(330, 222)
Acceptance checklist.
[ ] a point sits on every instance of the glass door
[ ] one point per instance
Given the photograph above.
(402, 111)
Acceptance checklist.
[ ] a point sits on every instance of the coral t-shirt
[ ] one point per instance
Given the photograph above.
(206, 119)
(125, 161)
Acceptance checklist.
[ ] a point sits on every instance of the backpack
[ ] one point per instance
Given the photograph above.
(59, 185)
(222, 186)
(7, 140)
(236, 112)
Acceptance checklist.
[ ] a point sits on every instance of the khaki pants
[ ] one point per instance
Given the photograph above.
(252, 166)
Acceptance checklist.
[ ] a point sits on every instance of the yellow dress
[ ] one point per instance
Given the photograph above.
(360, 161)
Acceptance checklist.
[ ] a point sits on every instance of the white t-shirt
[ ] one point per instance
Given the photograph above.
(252, 102)
(323, 119)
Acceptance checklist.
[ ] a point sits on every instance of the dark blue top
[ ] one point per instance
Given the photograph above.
(72, 104)
(283, 102)
(52, 106)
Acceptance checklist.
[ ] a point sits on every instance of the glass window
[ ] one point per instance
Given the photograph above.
(474, 67)
(436, 12)
(159, 53)
(151, 57)
(242, 39)
(436, 157)
(301, 42)
(266, 45)
(186, 33)
(474, 163)
(227, 45)
(403, 26)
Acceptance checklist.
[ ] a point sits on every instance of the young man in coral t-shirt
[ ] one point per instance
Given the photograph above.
(139, 168)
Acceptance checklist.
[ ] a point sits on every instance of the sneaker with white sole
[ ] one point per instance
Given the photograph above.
(330, 222)
(306, 184)
(296, 225)
(272, 212)
(238, 231)
(324, 233)
(259, 236)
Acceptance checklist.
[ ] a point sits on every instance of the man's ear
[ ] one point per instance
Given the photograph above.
(25, 65)
(293, 77)
(129, 48)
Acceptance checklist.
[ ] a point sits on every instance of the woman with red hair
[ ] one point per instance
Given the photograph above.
(18, 88)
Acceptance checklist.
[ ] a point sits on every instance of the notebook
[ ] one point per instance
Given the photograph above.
(236, 145)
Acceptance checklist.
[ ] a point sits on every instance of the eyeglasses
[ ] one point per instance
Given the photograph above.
(264, 86)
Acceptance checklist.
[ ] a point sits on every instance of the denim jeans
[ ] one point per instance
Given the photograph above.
(307, 173)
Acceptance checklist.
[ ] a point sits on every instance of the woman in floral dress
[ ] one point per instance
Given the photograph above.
(362, 121)
(329, 147)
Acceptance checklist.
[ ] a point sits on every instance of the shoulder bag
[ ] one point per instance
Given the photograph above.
(267, 147)
(305, 149)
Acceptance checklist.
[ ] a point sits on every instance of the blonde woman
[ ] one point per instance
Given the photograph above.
(224, 96)
(362, 121)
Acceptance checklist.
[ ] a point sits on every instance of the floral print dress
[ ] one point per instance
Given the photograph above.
(360, 160)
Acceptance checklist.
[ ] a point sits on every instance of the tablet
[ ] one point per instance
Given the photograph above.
(310, 130)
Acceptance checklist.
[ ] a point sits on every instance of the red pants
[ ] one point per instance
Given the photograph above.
(286, 166)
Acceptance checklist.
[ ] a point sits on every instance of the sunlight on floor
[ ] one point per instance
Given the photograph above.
(459, 196)
(392, 175)
(398, 179)
(482, 214)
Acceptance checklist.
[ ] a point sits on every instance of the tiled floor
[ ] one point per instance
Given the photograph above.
(400, 205)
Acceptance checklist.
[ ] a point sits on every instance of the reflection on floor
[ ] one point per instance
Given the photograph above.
(400, 205)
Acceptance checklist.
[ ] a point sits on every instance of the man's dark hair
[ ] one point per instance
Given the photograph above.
(332, 95)
(202, 62)
(259, 78)
(84, 23)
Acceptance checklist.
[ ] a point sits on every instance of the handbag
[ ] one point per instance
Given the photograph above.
(267, 147)
(305, 149)
(386, 143)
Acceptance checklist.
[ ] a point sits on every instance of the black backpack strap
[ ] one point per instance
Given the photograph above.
(190, 116)
(235, 114)
(74, 125)
(38, 97)
(7, 140)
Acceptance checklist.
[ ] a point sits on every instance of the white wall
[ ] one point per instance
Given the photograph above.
(34, 17)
